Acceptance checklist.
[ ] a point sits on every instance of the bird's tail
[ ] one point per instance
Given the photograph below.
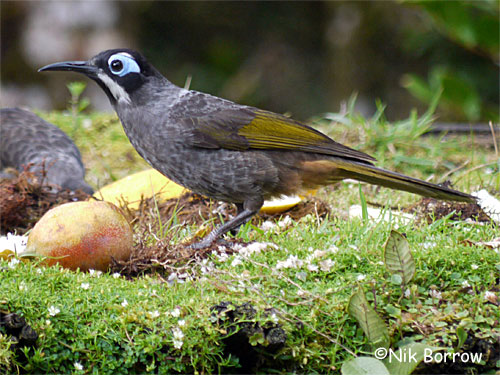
(378, 176)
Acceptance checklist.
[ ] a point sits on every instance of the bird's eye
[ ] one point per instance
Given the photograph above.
(121, 64)
(116, 66)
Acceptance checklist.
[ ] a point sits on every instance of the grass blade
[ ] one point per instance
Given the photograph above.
(364, 206)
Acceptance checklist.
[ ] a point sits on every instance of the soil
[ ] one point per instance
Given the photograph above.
(24, 200)
(430, 209)
(191, 209)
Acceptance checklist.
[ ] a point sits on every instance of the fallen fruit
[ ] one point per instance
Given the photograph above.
(277, 205)
(129, 190)
(139, 185)
(84, 235)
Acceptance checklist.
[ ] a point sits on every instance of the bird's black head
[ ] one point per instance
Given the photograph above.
(119, 72)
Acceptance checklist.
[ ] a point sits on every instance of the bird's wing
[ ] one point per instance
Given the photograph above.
(250, 128)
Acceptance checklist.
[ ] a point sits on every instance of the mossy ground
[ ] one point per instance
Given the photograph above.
(161, 321)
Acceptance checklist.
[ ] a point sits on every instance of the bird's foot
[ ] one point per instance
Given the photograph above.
(203, 244)
(207, 242)
(232, 224)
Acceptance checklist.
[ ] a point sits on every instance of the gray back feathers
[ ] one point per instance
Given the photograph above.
(26, 139)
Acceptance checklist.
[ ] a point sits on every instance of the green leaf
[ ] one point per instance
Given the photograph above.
(364, 206)
(364, 365)
(256, 339)
(396, 279)
(76, 88)
(393, 311)
(456, 92)
(398, 258)
(407, 358)
(462, 336)
(418, 87)
(84, 103)
(373, 326)
(473, 24)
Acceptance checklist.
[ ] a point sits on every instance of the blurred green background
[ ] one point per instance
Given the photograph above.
(304, 58)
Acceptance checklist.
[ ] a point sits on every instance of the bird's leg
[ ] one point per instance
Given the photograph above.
(232, 224)
(245, 213)
(239, 209)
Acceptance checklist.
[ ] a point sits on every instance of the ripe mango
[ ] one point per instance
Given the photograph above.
(84, 235)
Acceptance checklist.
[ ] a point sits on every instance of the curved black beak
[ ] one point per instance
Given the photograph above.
(72, 66)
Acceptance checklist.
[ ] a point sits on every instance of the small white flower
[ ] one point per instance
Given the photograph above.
(176, 312)
(22, 286)
(326, 265)
(95, 273)
(319, 253)
(428, 245)
(312, 267)
(465, 284)
(274, 318)
(13, 263)
(236, 261)
(116, 275)
(361, 277)
(302, 293)
(178, 334)
(407, 292)
(124, 303)
(78, 366)
(254, 248)
(291, 262)
(267, 225)
(490, 297)
(474, 266)
(294, 261)
(154, 314)
(285, 222)
(178, 344)
(85, 286)
(181, 323)
(39, 271)
(435, 294)
(53, 311)
(333, 249)
(222, 257)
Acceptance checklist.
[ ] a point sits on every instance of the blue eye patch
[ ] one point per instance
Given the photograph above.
(121, 64)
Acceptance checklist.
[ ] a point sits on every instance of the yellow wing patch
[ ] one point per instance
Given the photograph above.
(268, 130)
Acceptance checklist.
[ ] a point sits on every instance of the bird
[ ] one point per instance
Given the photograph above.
(227, 151)
(28, 140)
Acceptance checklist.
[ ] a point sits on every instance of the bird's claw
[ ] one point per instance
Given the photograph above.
(203, 244)
(207, 242)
